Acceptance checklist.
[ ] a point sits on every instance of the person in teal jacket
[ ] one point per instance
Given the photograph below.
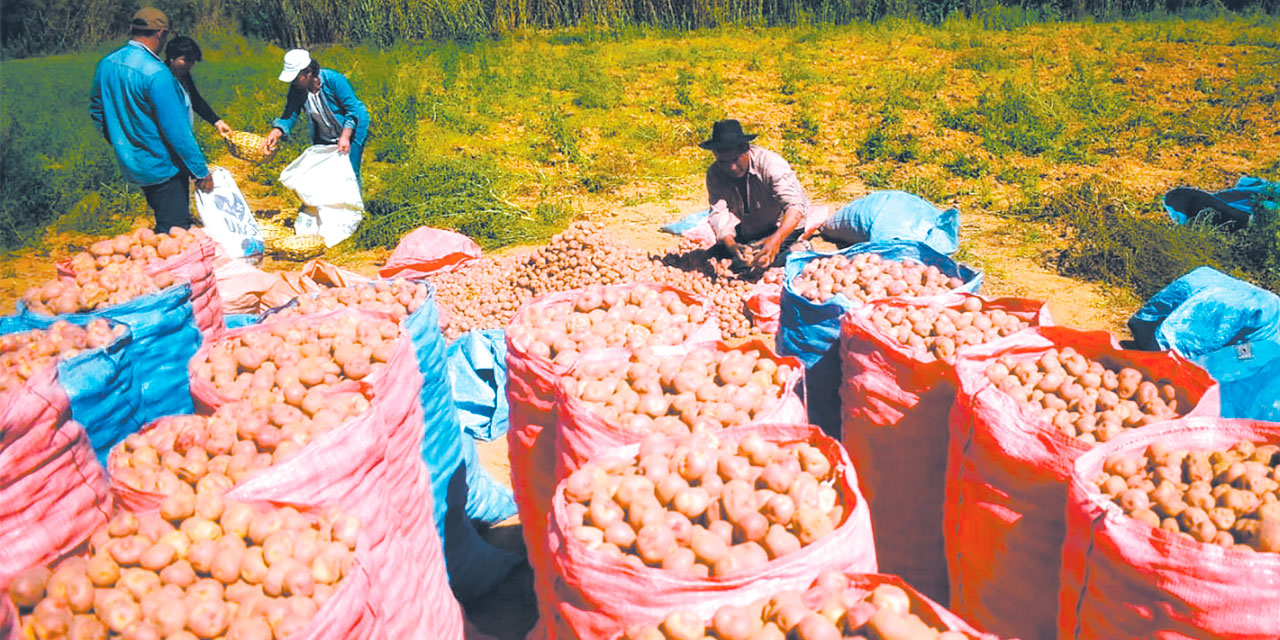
(337, 115)
(138, 107)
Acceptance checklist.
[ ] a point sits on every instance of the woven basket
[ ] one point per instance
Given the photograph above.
(298, 248)
(273, 231)
(247, 146)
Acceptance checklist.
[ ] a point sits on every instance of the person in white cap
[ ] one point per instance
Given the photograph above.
(337, 115)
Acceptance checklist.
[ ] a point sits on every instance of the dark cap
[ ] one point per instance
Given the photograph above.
(151, 19)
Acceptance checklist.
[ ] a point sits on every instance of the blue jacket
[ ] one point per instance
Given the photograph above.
(138, 106)
(341, 99)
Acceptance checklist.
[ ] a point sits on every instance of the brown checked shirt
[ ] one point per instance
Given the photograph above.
(755, 203)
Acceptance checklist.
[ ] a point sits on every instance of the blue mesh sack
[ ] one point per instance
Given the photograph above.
(478, 371)
(811, 330)
(165, 337)
(1203, 311)
(885, 216)
(475, 567)
(1228, 326)
(98, 382)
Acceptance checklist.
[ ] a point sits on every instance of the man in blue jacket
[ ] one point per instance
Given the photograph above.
(337, 115)
(138, 106)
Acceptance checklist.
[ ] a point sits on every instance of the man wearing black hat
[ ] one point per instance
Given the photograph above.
(757, 204)
(138, 106)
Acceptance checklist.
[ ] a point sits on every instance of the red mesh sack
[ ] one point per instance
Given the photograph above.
(371, 467)
(196, 266)
(531, 397)
(425, 251)
(895, 403)
(581, 434)
(1122, 578)
(53, 491)
(596, 597)
(1006, 481)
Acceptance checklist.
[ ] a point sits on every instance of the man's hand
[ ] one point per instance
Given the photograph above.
(344, 141)
(768, 253)
(273, 138)
(205, 184)
(740, 252)
(223, 128)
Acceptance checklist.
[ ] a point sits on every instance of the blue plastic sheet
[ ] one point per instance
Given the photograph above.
(475, 567)
(885, 216)
(1248, 376)
(1203, 311)
(1228, 326)
(237, 320)
(683, 225)
(1234, 206)
(810, 330)
(99, 383)
(165, 337)
(478, 371)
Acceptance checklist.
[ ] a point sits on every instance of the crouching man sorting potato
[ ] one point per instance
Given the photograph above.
(757, 204)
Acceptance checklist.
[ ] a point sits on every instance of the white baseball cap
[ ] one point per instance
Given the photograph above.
(294, 62)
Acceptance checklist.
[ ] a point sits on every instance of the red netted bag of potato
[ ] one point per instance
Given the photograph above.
(370, 466)
(533, 364)
(606, 583)
(745, 384)
(1008, 463)
(52, 488)
(184, 254)
(896, 392)
(1122, 577)
(836, 605)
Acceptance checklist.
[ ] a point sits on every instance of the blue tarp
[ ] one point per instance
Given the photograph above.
(1229, 327)
(474, 566)
(1233, 206)
(99, 383)
(237, 320)
(683, 225)
(811, 331)
(165, 337)
(884, 216)
(478, 370)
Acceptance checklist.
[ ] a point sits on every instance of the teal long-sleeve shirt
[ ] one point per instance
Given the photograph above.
(137, 104)
(341, 100)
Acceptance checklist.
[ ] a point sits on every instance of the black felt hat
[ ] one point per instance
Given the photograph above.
(726, 134)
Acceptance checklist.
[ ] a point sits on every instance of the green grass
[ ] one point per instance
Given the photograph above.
(506, 136)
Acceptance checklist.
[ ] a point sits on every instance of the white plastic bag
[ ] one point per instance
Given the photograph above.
(326, 183)
(227, 218)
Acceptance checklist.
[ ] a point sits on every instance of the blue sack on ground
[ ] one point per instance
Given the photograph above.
(1248, 376)
(237, 320)
(475, 567)
(885, 216)
(1228, 326)
(478, 371)
(98, 382)
(165, 337)
(1232, 207)
(687, 223)
(811, 331)
(1203, 311)
(477, 365)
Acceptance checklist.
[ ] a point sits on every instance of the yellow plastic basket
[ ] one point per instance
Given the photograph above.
(299, 248)
(247, 146)
(273, 231)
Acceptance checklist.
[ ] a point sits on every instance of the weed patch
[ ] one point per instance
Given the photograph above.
(463, 195)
